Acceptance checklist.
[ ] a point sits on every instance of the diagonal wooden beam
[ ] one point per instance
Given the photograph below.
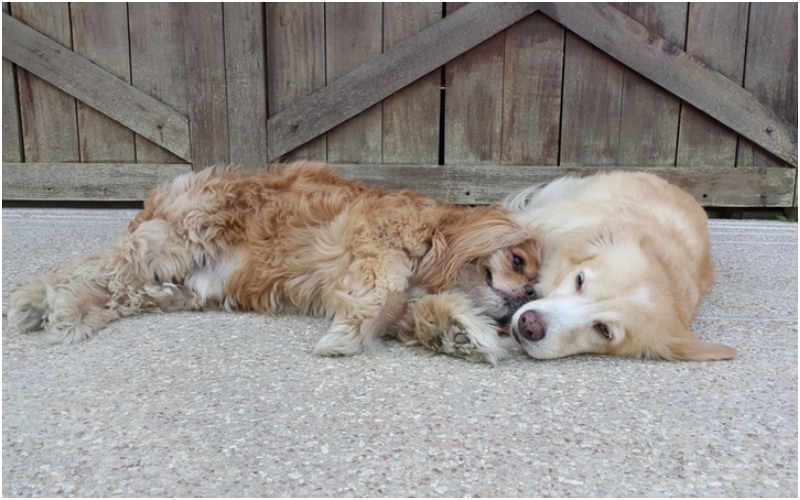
(670, 67)
(390, 72)
(84, 80)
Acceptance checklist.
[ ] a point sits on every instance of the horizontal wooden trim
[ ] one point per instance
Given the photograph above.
(386, 74)
(91, 84)
(462, 184)
(667, 65)
(85, 181)
(484, 184)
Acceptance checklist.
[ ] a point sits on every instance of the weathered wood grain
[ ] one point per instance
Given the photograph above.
(650, 116)
(473, 106)
(388, 73)
(771, 71)
(484, 184)
(683, 75)
(296, 66)
(532, 79)
(93, 85)
(717, 34)
(592, 103)
(12, 145)
(245, 58)
(85, 181)
(204, 43)
(353, 36)
(49, 131)
(157, 65)
(100, 34)
(411, 118)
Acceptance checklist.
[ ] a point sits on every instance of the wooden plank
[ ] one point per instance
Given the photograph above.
(388, 73)
(296, 66)
(100, 34)
(473, 105)
(157, 65)
(771, 72)
(353, 36)
(592, 104)
(411, 116)
(49, 130)
(85, 181)
(204, 43)
(650, 117)
(484, 184)
(12, 145)
(717, 34)
(94, 86)
(683, 75)
(245, 74)
(532, 80)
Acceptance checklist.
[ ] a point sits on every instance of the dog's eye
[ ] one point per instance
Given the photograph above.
(603, 330)
(517, 262)
(579, 282)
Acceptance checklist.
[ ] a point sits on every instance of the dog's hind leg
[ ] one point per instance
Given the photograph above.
(448, 323)
(78, 300)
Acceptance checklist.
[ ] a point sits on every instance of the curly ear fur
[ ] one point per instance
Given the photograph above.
(466, 235)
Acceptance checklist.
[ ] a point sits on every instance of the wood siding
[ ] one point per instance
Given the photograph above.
(465, 102)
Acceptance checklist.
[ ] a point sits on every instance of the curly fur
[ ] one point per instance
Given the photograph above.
(300, 239)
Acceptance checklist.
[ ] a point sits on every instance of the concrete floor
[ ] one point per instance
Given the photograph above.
(214, 404)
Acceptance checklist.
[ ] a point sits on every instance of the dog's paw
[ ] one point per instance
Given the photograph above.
(473, 339)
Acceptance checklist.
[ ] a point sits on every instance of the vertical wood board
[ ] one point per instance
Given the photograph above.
(771, 71)
(204, 43)
(295, 64)
(100, 34)
(245, 58)
(532, 80)
(353, 36)
(12, 145)
(157, 65)
(650, 114)
(592, 104)
(411, 117)
(716, 34)
(473, 107)
(49, 123)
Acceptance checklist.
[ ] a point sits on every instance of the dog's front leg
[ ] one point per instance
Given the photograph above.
(448, 323)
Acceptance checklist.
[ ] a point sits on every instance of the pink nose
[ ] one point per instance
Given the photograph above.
(531, 326)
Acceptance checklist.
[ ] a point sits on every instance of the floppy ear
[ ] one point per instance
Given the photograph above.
(689, 347)
(466, 235)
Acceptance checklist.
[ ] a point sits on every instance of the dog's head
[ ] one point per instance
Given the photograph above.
(610, 294)
(483, 253)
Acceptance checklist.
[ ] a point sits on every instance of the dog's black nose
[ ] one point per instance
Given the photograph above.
(530, 292)
(531, 326)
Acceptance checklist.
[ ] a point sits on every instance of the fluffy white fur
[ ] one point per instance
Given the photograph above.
(300, 239)
(626, 261)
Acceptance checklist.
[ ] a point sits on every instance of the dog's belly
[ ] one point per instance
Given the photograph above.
(208, 281)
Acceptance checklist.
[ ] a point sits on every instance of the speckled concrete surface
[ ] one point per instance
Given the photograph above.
(213, 404)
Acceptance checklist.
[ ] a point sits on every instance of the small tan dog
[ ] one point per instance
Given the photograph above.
(626, 260)
(300, 239)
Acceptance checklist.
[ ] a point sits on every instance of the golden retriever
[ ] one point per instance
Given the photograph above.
(300, 239)
(626, 260)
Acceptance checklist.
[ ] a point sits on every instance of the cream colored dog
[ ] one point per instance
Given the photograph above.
(626, 260)
(300, 239)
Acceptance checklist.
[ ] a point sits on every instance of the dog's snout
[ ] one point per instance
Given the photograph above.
(531, 326)
(530, 292)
